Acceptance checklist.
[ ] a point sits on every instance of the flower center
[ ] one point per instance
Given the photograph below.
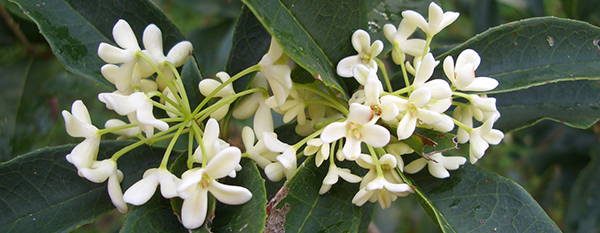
(354, 130)
(205, 181)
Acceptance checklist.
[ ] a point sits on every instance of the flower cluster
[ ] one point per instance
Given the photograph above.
(370, 129)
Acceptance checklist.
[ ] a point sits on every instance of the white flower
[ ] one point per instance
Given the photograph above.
(137, 107)
(275, 69)
(212, 144)
(168, 99)
(438, 20)
(125, 38)
(462, 75)
(387, 162)
(127, 78)
(257, 152)
(381, 190)
(483, 107)
(481, 137)
(207, 86)
(318, 147)
(293, 108)
(79, 124)
(177, 55)
(425, 104)
(333, 175)
(286, 157)
(367, 52)
(99, 172)
(125, 133)
(437, 164)
(400, 42)
(196, 183)
(424, 69)
(140, 192)
(357, 128)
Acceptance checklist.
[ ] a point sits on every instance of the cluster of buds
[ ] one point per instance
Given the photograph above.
(369, 128)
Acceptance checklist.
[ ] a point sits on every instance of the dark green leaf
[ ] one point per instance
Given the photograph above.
(315, 34)
(41, 191)
(298, 207)
(75, 28)
(472, 200)
(212, 46)
(536, 51)
(575, 103)
(154, 216)
(251, 216)
(426, 141)
(583, 212)
(12, 79)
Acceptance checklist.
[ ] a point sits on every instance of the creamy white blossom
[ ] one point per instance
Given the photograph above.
(481, 137)
(437, 164)
(276, 70)
(286, 161)
(207, 86)
(462, 74)
(256, 150)
(333, 175)
(438, 19)
(319, 148)
(140, 192)
(382, 191)
(137, 107)
(399, 38)
(357, 128)
(103, 170)
(212, 145)
(197, 182)
(367, 52)
(79, 124)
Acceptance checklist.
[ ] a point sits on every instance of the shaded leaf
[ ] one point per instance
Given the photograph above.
(575, 103)
(473, 200)
(41, 191)
(154, 216)
(535, 52)
(583, 212)
(12, 79)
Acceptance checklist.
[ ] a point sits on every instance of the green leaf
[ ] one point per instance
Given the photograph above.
(473, 200)
(212, 46)
(426, 141)
(41, 191)
(305, 29)
(75, 28)
(298, 206)
(574, 103)
(12, 79)
(250, 216)
(583, 211)
(154, 216)
(535, 52)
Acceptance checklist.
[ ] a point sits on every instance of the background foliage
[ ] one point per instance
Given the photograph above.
(554, 163)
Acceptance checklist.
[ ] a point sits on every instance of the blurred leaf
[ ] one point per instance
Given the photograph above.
(191, 76)
(303, 28)
(154, 216)
(250, 43)
(535, 52)
(298, 206)
(212, 46)
(41, 191)
(426, 141)
(574, 103)
(583, 212)
(12, 79)
(484, 14)
(473, 200)
(75, 28)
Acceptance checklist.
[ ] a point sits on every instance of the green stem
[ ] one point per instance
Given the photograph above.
(181, 86)
(190, 158)
(157, 137)
(386, 77)
(116, 128)
(224, 101)
(324, 96)
(403, 90)
(307, 138)
(375, 161)
(405, 76)
(166, 108)
(461, 125)
(165, 159)
(460, 94)
(332, 154)
(224, 84)
(197, 131)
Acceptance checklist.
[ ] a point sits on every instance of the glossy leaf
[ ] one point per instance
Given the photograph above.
(535, 52)
(12, 79)
(298, 207)
(154, 216)
(212, 46)
(575, 103)
(583, 211)
(472, 200)
(426, 141)
(75, 28)
(304, 29)
(41, 191)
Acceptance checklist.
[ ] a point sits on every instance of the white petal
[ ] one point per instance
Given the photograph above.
(449, 18)
(274, 53)
(333, 132)
(124, 36)
(415, 18)
(449, 69)
(180, 53)
(112, 54)
(345, 174)
(168, 183)
(99, 171)
(211, 133)
(359, 114)
(415, 166)
(351, 149)
(224, 162)
(494, 136)
(361, 41)
(152, 39)
(477, 147)
(425, 69)
(140, 192)
(413, 47)
(206, 86)
(189, 179)
(439, 89)
(246, 107)
(274, 172)
(453, 162)
(345, 68)
(84, 153)
(78, 128)
(193, 210)
(420, 96)
(115, 192)
(361, 197)
(229, 194)
(263, 120)
(389, 31)
(121, 104)
(482, 84)
(406, 127)
(437, 170)
(288, 158)
(375, 135)
(398, 188)
(272, 143)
